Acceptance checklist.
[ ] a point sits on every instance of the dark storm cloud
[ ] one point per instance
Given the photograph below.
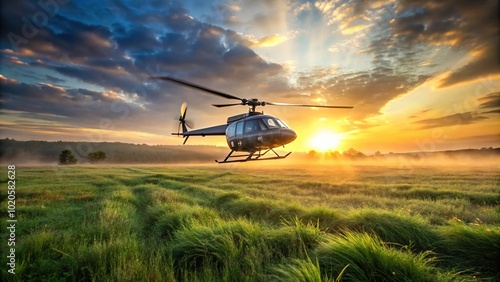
(138, 38)
(205, 52)
(50, 99)
(119, 53)
(58, 38)
(110, 78)
(450, 120)
(119, 57)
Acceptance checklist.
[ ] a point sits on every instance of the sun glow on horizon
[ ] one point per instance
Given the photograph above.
(325, 141)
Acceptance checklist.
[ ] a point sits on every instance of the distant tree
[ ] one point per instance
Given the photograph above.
(95, 157)
(378, 155)
(333, 154)
(312, 153)
(66, 158)
(353, 154)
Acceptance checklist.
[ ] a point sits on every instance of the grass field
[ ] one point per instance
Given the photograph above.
(240, 223)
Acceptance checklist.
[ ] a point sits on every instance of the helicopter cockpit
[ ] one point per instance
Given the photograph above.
(261, 131)
(254, 125)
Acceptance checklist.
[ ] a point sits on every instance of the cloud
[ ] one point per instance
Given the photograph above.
(350, 17)
(450, 120)
(406, 35)
(492, 112)
(266, 41)
(7, 81)
(121, 57)
(227, 14)
(118, 57)
(46, 98)
(53, 79)
(112, 64)
(471, 26)
(483, 66)
(272, 17)
(490, 101)
(367, 91)
(355, 29)
(137, 39)
(108, 59)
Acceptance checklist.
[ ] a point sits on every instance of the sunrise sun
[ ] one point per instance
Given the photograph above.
(325, 141)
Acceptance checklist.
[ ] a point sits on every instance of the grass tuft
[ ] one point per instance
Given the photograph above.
(393, 228)
(469, 248)
(221, 245)
(294, 239)
(370, 259)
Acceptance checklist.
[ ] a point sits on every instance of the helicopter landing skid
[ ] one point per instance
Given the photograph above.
(255, 156)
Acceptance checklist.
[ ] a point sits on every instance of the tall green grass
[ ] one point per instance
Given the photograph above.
(472, 248)
(365, 257)
(302, 270)
(174, 223)
(240, 248)
(403, 230)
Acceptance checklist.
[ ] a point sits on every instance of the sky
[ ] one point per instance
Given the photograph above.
(421, 75)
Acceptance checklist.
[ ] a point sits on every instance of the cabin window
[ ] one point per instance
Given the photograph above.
(254, 125)
(239, 128)
(251, 126)
(231, 130)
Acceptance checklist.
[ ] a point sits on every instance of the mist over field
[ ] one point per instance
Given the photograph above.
(46, 153)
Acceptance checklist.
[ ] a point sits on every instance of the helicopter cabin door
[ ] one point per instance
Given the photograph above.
(238, 144)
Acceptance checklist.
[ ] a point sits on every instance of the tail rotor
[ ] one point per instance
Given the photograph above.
(182, 119)
(183, 123)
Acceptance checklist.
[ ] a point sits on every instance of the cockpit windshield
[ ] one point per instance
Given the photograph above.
(274, 123)
(282, 123)
(270, 123)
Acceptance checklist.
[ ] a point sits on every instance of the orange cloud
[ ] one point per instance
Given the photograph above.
(266, 41)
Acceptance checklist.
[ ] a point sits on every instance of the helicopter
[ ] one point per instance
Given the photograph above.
(253, 133)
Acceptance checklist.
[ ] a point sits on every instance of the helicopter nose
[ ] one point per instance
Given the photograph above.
(288, 135)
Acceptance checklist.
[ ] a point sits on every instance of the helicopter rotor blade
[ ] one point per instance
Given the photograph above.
(309, 106)
(198, 87)
(183, 110)
(226, 105)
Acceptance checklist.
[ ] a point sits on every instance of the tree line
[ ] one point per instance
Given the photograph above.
(104, 152)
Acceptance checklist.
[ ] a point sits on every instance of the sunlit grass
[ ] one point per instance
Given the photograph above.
(174, 223)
